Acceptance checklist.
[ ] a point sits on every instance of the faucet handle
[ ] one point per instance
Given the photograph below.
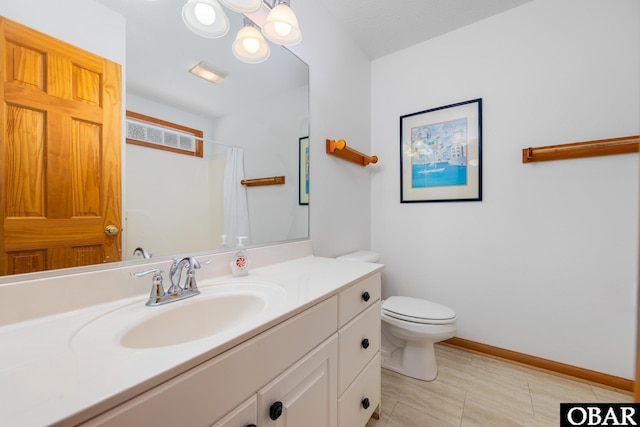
(175, 273)
(157, 289)
(190, 280)
(194, 263)
(155, 271)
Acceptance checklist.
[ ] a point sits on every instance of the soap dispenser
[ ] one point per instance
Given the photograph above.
(239, 260)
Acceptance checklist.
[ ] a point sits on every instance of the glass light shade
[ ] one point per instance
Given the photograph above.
(243, 6)
(281, 26)
(205, 18)
(249, 46)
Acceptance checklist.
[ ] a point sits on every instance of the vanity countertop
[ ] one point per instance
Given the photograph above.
(47, 378)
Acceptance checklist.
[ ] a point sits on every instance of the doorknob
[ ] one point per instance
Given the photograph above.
(111, 230)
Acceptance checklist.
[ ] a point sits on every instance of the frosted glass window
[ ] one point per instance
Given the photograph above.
(150, 132)
(171, 139)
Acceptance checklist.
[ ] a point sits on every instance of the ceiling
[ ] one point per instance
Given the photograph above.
(381, 27)
(160, 50)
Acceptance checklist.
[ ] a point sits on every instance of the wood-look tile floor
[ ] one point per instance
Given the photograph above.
(476, 390)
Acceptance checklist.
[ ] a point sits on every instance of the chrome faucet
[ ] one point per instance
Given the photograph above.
(140, 251)
(175, 274)
(158, 296)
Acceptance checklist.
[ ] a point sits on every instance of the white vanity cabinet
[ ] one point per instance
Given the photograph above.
(320, 368)
(210, 391)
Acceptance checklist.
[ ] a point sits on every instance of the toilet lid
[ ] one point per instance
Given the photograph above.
(417, 310)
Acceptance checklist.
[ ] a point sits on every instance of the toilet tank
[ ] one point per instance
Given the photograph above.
(363, 256)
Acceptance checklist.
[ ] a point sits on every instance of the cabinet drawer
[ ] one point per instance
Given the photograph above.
(353, 351)
(351, 406)
(244, 415)
(358, 297)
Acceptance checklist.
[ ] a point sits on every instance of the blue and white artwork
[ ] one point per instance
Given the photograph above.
(439, 154)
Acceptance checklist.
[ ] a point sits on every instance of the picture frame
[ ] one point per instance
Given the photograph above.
(303, 171)
(441, 154)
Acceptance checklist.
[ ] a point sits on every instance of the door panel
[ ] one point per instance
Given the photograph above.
(24, 162)
(25, 66)
(61, 147)
(85, 158)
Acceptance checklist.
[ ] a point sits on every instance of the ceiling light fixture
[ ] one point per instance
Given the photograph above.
(249, 45)
(205, 18)
(243, 6)
(281, 25)
(208, 72)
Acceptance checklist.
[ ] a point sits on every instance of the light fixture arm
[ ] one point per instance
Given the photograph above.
(273, 3)
(248, 22)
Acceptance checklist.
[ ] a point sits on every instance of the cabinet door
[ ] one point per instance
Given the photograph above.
(305, 394)
(243, 416)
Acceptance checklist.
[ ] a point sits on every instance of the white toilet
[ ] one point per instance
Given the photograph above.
(410, 328)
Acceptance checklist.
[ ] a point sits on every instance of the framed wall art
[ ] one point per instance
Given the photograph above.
(441, 154)
(303, 174)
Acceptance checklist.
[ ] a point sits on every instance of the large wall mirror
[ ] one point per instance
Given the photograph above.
(172, 203)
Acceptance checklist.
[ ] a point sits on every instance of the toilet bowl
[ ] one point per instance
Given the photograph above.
(410, 328)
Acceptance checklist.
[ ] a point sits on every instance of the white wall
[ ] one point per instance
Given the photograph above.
(339, 198)
(104, 36)
(546, 264)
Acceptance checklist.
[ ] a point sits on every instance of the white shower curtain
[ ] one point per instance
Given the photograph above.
(236, 211)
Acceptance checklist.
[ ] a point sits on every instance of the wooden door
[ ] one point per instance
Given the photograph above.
(60, 148)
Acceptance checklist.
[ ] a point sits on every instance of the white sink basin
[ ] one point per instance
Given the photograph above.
(218, 310)
(197, 318)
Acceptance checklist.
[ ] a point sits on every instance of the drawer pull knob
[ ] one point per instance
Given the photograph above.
(366, 296)
(365, 403)
(365, 343)
(251, 425)
(275, 411)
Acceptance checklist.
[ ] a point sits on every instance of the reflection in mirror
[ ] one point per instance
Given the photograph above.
(252, 121)
(173, 203)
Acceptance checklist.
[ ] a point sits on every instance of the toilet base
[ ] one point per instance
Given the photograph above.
(415, 359)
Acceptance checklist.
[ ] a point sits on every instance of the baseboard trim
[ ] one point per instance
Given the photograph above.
(538, 362)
